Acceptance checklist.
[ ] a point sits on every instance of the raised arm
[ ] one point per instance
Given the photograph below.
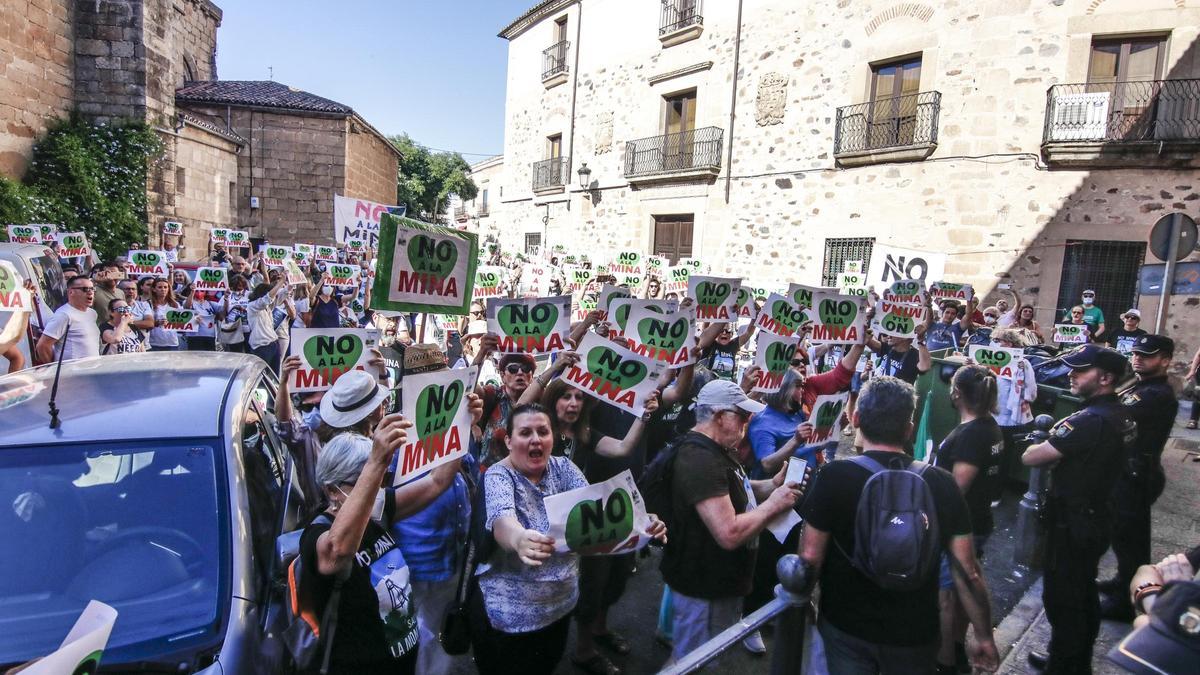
(611, 447)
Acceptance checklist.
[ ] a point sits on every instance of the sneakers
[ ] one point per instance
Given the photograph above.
(754, 643)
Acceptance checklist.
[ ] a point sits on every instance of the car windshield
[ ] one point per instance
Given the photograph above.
(134, 525)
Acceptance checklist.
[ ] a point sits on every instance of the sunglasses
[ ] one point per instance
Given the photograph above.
(514, 368)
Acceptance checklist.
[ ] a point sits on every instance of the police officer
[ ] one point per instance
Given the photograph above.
(1086, 450)
(1152, 403)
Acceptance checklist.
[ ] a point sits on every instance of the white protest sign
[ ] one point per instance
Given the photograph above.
(530, 325)
(83, 648)
(852, 280)
(143, 263)
(304, 251)
(837, 319)
(24, 234)
(535, 280)
(620, 308)
(656, 265)
(218, 235)
(172, 227)
(13, 295)
(1000, 360)
(436, 403)
(664, 336)
(676, 280)
(613, 374)
(237, 238)
(773, 356)
(72, 245)
(896, 320)
(892, 263)
(905, 292)
(325, 253)
(606, 518)
(802, 296)
(488, 282)
(944, 290)
(609, 293)
(745, 305)
(1070, 333)
(424, 268)
(853, 267)
(780, 316)
(180, 320)
(211, 279)
(341, 275)
(275, 254)
(359, 219)
(694, 264)
(826, 419)
(328, 353)
(295, 275)
(627, 263)
(577, 277)
(716, 297)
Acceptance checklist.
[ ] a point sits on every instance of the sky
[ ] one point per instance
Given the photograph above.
(430, 68)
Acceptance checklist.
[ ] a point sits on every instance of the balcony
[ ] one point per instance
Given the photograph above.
(1153, 123)
(679, 157)
(460, 214)
(484, 211)
(893, 129)
(554, 64)
(680, 21)
(550, 175)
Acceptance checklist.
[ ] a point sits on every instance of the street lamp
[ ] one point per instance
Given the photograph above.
(585, 176)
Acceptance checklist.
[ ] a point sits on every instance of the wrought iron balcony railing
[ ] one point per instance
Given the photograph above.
(679, 14)
(893, 122)
(554, 59)
(673, 153)
(550, 173)
(1153, 110)
(483, 211)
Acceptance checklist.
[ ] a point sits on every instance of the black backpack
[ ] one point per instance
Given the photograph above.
(655, 483)
(897, 543)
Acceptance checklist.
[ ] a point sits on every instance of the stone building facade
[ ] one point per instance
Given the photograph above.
(484, 213)
(1036, 142)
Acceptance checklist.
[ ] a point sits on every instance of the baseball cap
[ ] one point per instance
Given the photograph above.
(1135, 313)
(1170, 643)
(1089, 292)
(725, 395)
(1095, 356)
(1154, 344)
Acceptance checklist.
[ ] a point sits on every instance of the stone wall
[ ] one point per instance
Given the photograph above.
(110, 60)
(371, 166)
(36, 75)
(210, 168)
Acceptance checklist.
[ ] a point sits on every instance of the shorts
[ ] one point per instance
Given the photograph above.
(945, 578)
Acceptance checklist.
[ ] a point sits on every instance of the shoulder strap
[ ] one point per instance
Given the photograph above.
(918, 467)
(868, 463)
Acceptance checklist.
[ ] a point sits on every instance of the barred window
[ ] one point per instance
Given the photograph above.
(1110, 268)
(838, 251)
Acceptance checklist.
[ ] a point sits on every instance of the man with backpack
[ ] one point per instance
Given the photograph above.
(875, 527)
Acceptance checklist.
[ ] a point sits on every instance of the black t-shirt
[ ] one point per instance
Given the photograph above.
(611, 421)
(364, 641)
(1122, 340)
(1153, 405)
(851, 601)
(979, 443)
(693, 563)
(721, 359)
(899, 365)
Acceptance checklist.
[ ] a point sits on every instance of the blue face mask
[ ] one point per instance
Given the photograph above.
(312, 419)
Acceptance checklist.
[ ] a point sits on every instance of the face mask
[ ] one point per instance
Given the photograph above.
(1088, 300)
(312, 419)
(327, 291)
(989, 319)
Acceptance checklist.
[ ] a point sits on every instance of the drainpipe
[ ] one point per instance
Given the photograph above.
(574, 96)
(737, 53)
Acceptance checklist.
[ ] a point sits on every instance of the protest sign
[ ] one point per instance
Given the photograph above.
(609, 293)
(359, 219)
(1070, 333)
(716, 297)
(584, 306)
(13, 295)
(656, 265)
(773, 356)
(802, 296)
(892, 263)
(663, 336)
(837, 319)
(780, 316)
(852, 280)
(745, 305)
(826, 419)
(295, 275)
(944, 290)
(613, 374)
(424, 268)
(488, 280)
(356, 245)
(72, 245)
(897, 320)
(275, 254)
(173, 227)
(147, 263)
(694, 265)
(853, 267)
(535, 280)
(676, 281)
(237, 239)
(437, 405)
(328, 353)
(1000, 360)
(606, 518)
(325, 253)
(24, 234)
(627, 262)
(577, 278)
(534, 325)
(211, 279)
(218, 235)
(82, 649)
(49, 232)
(635, 282)
(180, 320)
(342, 276)
(619, 309)
(305, 250)
(905, 292)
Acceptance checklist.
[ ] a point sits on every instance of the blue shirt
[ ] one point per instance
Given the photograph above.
(432, 539)
(769, 431)
(944, 336)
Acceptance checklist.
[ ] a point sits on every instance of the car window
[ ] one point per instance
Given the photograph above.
(265, 468)
(49, 278)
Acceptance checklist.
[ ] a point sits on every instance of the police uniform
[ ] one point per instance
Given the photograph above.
(1153, 405)
(1093, 443)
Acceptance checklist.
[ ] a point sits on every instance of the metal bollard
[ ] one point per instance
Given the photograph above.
(1028, 552)
(788, 648)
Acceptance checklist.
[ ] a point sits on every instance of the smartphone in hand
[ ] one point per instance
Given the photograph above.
(795, 471)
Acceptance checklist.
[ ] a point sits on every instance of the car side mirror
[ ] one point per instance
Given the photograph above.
(287, 547)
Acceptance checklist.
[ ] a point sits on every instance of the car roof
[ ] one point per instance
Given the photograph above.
(122, 397)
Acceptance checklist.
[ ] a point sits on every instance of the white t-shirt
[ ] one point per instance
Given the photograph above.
(301, 305)
(206, 311)
(82, 336)
(161, 337)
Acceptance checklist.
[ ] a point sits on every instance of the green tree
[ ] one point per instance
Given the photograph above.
(427, 179)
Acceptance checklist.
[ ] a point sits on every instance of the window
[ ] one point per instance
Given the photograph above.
(483, 202)
(180, 180)
(680, 112)
(673, 236)
(233, 200)
(533, 242)
(1110, 268)
(893, 113)
(1126, 69)
(554, 146)
(838, 251)
(560, 29)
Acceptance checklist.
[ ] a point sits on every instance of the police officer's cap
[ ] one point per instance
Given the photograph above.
(1170, 643)
(1154, 344)
(1095, 356)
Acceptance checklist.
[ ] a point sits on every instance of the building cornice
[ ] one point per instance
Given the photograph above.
(686, 70)
(533, 16)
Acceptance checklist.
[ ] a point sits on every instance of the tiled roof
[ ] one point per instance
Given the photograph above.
(259, 93)
(531, 16)
(208, 124)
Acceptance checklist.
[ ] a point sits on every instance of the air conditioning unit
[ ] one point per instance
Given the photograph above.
(1079, 117)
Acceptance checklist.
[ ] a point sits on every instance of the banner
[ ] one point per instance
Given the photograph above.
(773, 356)
(172, 227)
(295, 275)
(675, 282)
(892, 263)
(535, 280)
(715, 297)
(656, 265)
(325, 253)
(619, 309)
(179, 320)
(613, 374)
(49, 232)
(1000, 360)
(606, 518)
(13, 295)
(1070, 333)
(211, 279)
(237, 239)
(147, 263)
(745, 305)
(897, 320)
(275, 254)
(488, 280)
(218, 235)
(663, 336)
(341, 276)
(905, 292)
(780, 316)
(72, 245)
(437, 405)
(534, 326)
(357, 245)
(944, 290)
(627, 263)
(837, 319)
(328, 353)
(609, 293)
(424, 268)
(577, 278)
(359, 218)
(802, 296)
(83, 648)
(24, 234)
(584, 306)
(826, 418)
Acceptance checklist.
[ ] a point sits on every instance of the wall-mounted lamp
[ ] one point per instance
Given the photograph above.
(585, 176)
